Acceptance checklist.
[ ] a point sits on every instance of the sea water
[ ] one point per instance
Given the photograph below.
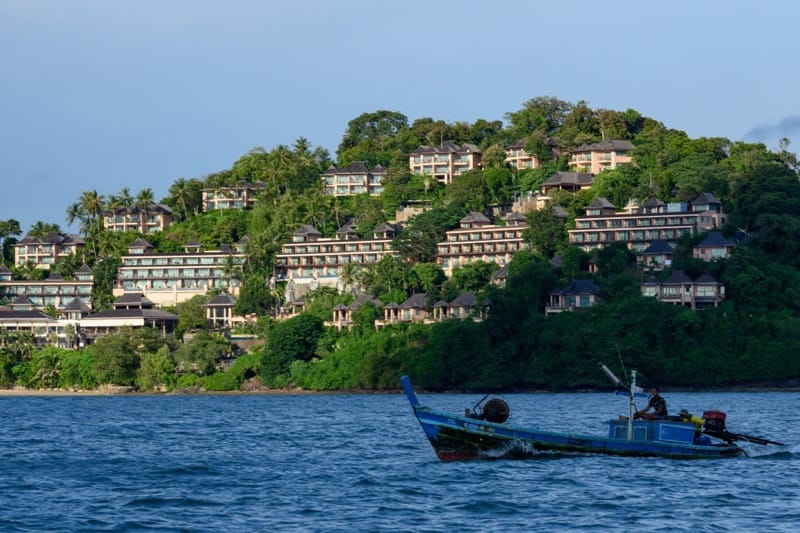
(361, 462)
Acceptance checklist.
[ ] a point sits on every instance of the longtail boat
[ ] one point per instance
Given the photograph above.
(484, 433)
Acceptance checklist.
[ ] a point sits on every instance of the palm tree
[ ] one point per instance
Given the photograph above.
(91, 206)
(143, 202)
(42, 229)
(181, 195)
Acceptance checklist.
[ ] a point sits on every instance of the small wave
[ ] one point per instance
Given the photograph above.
(179, 502)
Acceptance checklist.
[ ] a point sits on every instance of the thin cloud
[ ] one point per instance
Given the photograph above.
(786, 127)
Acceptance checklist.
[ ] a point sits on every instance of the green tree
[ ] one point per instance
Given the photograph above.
(156, 371)
(292, 339)
(115, 360)
(546, 232)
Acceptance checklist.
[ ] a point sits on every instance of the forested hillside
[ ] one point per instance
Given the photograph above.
(751, 338)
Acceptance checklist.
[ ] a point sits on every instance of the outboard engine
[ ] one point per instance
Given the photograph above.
(715, 421)
(496, 410)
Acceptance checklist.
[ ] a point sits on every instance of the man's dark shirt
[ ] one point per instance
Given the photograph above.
(659, 405)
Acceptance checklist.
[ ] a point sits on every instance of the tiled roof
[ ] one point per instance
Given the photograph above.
(601, 203)
(715, 239)
(657, 247)
(579, 286)
(307, 229)
(474, 217)
(76, 304)
(569, 178)
(222, 300)
(448, 147)
(466, 299)
(608, 145)
(357, 167)
(84, 269)
(416, 301)
(706, 198)
(678, 277)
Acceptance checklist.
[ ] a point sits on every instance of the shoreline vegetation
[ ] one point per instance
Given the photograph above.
(696, 307)
(793, 386)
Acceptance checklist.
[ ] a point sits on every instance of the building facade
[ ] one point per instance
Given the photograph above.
(149, 220)
(54, 291)
(477, 239)
(172, 278)
(240, 196)
(680, 289)
(603, 225)
(46, 251)
(310, 260)
(353, 180)
(445, 161)
(605, 155)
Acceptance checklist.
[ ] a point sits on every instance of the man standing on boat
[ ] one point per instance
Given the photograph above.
(657, 403)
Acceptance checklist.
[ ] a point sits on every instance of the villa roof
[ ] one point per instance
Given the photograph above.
(601, 203)
(415, 301)
(569, 178)
(706, 279)
(356, 167)
(607, 145)
(448, 147)
(475, 217)
(84, 269)
(578, 286)
(715, 239)
(678, 277)
(307, 229)
(706, 198)
(222, 300)
(466, 299)
(658, 247)
(53, 237)
(76, 304)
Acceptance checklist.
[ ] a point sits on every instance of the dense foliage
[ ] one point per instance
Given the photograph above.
(750, 339)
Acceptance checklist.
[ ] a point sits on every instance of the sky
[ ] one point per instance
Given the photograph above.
(99, 95)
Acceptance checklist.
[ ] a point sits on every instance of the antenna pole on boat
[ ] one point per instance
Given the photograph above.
(630, 405)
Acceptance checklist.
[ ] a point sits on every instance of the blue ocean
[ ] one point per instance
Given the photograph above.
(344, 462)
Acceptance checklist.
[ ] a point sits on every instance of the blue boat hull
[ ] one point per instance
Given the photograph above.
(455, 438)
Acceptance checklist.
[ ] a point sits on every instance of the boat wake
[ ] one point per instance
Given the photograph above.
(757, 452)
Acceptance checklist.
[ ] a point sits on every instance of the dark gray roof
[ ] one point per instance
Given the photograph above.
(133, 298)
(579, 286)
(363, 299)
(706, 279)
(222, 300)
(447, 147)
(715, 239)
(607, 145)
(307, 229)
(475, 217)
(25, 315)
(601, 203)
(559, 211)
(84, 269)
(706, 198)
(77, 305)
(357, 167)
(466, 299)
(140, 243)
(657, 247)
(678, 277)
(151, 314)
(569, 178)
(416, 301)
(500, 274)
